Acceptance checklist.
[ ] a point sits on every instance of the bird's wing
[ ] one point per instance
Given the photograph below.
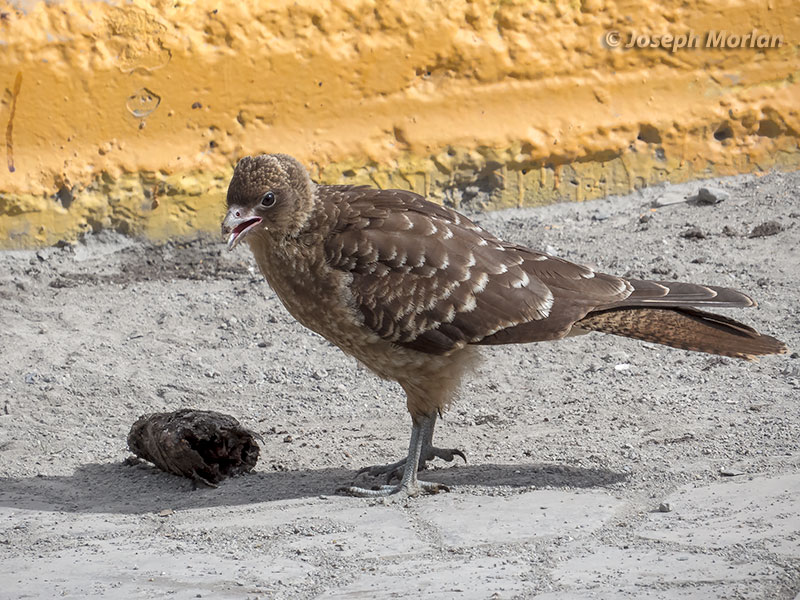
(425, 277)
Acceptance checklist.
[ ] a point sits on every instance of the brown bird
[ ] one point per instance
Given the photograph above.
(411, 288)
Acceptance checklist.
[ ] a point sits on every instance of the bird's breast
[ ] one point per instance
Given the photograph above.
(314, 293)
(319, 297)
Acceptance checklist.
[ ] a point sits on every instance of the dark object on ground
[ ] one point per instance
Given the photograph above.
(709, 195)
(729, 231)
(694, 233)
(203, 445)
(766, 228)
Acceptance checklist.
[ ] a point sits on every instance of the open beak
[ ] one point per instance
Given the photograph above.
(236, 226)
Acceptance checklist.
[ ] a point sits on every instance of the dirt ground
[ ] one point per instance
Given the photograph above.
(572, 446)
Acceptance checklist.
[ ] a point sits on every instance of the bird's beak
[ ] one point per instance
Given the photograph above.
(237, 224)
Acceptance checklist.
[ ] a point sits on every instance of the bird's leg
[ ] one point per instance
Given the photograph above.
(421, 429)
(428, 453)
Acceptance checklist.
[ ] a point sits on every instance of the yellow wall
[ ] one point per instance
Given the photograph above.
(130, 115)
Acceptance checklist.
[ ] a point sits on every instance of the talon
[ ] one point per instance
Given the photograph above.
(421, 451)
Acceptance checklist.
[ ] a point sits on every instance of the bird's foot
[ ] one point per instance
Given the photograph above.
(411, 488)
(420, 450)
(395, 470)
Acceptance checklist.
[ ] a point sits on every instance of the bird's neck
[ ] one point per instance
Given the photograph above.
(306, 207)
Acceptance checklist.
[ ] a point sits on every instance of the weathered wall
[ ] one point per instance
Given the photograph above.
(130, 115)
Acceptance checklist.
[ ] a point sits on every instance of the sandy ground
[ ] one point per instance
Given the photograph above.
(572, 446)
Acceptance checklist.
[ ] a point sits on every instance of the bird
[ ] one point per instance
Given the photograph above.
(412, 289)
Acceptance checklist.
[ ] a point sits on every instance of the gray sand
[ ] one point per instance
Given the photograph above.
(573, 446)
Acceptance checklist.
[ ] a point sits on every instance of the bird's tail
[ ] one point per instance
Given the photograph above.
(685, 328)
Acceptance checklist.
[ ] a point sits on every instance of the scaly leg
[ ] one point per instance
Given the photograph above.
(428, 453)
(409, 484)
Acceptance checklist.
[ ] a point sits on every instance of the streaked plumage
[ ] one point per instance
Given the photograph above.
(410, 288)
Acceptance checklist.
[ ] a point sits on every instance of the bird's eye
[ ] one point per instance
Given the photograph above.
(268, 200)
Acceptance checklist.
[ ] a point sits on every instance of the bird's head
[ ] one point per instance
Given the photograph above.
(270, 193)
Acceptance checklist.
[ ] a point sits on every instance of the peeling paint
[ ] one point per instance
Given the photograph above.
(10, 125)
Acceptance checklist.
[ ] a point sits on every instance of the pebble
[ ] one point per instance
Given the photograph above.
(729, 231)
(766, 228)
(471, 191)
(694, 233)
(710, 195)
(730, 472)
(665, 507)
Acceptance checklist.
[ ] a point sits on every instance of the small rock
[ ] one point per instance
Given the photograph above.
(600, 215)
(211, 373)
(729, 231)
(622, 367)
(645, 218)
(710, 195)
(263, 344)
(166, 512)
(665, 507)
(30, 378)
(765, 229)
(693, 233)
(730, 472)
(471, 191)
(288, 439)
